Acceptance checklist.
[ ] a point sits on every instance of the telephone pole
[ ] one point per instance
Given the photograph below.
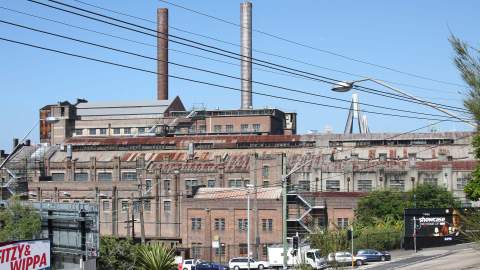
(285, 176)
(284, 210)
(128, 221)
(255, 210)
(142, 222)
(133, 218)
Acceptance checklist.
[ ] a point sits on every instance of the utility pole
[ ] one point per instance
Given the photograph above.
(351, 235)
(248, 225)
(284, 210)
(415, 234)
(158, 182)
(114, 211)
(285, 176)
(128, 221)
(255, 209)
(133, 218)
(142, 222)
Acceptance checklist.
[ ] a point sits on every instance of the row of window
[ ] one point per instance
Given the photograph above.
(147, 206)
(142, 130)
(114, 131)
(242, 224)
(230, 129)
(395, 183)
(132, 176)
(101, 176)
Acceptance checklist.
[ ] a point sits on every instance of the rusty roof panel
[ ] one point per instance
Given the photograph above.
(272, 193)
(458, 165)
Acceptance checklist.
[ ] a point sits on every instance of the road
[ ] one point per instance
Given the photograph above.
(457, 257)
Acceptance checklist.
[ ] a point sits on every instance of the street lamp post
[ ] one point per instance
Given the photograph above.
(347, 86)
(285, 176)
(249, 188)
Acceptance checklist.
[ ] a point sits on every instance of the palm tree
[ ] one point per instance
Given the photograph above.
(155, 256)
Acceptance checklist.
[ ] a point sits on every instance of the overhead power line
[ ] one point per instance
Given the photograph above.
(208, 71)
(223, 52)
(141, 42)
(315, 48)
(208, 83)
(260, 51)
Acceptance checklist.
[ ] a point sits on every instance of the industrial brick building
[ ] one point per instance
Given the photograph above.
(190, 167)
(190, 181)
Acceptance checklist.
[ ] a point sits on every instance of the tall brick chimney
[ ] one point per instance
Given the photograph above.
(246, 51)
(162, 54)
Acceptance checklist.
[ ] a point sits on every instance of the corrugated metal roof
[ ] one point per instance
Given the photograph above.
(389, 136)
(181, 141)
(123, 108)
(457, 165)
(271, 193)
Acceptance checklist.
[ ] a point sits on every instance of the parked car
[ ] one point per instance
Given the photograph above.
(242, 263)
(209, 266)
(373, 255)
(345, 258)
(190, 264)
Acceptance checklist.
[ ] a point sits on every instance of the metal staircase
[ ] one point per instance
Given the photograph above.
(301, 214)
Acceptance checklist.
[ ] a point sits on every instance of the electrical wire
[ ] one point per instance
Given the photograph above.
(209, 83)
(197, 43)
(318, 49)
(208, 71)
(143, 43)
(191, 54)
(256, 50)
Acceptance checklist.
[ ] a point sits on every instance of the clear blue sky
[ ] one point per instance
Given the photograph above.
(407, 35)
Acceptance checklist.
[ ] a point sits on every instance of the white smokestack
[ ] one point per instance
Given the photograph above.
(246, 52)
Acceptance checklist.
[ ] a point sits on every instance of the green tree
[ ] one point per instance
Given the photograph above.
(386, 205)
(472, 189)
(155, 256)
(18, 222)
(469, 66)
(430, 196)
(116, 253)
(380, 205)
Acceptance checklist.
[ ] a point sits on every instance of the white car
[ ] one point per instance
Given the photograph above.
(190, 264)
(242, 263)
(345, 258)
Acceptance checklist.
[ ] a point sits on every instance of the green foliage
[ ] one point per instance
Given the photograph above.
(382, 235)
(117, 253)
(471, 226)
(472, 189)
(328, 241)
(18, 222)
(430, 196)
(303, 266)
(469, 66)
(380, 205)
(155, 256)
(383, 205)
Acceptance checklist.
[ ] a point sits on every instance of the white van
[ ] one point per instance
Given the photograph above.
(305, 255)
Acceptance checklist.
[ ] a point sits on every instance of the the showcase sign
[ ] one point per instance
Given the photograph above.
(431, 221)
(25, 255)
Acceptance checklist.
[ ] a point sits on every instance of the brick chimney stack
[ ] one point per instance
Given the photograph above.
(162, 54)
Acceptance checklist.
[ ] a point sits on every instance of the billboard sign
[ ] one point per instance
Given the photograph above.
(431, 227)
(25, 255)
(433, 222)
